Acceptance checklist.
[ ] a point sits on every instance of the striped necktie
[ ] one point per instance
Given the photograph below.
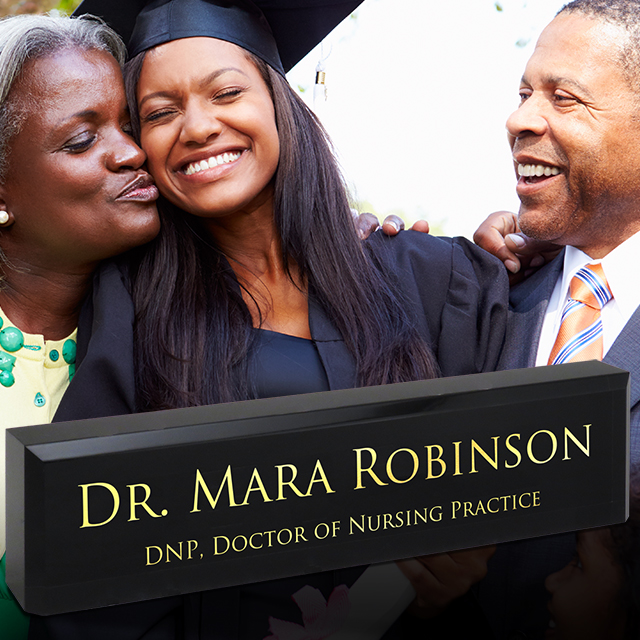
(580, 335)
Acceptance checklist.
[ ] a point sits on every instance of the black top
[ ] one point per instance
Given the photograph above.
(456, 295)
(283, 365)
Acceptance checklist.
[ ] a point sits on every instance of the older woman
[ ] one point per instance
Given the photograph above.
(72, 192)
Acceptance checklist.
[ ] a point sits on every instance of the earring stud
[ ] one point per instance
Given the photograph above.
(4, 217)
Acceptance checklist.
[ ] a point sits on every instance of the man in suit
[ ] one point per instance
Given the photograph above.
(578, 124)
(575, 140)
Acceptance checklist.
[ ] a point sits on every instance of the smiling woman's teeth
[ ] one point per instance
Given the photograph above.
(529, 170)
(210, 163)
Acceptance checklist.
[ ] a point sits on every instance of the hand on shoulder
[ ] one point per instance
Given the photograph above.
(500, 235)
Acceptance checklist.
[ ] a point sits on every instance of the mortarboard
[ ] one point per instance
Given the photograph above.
(265, 27)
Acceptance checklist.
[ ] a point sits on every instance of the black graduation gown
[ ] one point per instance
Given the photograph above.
(455, 293)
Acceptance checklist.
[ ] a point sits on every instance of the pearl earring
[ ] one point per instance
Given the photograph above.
(4, 217)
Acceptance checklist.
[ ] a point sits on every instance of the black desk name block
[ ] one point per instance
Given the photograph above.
(129, 508)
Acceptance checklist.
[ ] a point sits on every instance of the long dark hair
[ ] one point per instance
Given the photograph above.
(193, 330)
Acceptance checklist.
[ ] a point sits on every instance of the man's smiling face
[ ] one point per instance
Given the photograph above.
(576, 138)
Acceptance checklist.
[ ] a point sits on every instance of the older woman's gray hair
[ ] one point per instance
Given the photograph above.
(29, 37)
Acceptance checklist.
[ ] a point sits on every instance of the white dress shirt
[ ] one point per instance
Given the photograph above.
(619, 267)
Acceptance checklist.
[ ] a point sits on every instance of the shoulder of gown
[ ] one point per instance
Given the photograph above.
(457, 293)
(104, 383)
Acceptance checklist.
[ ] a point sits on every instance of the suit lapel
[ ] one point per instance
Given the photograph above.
(338, 362)
(625, 354)
(528, 303)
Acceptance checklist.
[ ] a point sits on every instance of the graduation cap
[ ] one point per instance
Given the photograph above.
(281, 32)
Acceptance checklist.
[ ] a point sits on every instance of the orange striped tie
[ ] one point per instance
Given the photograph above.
(580, 335)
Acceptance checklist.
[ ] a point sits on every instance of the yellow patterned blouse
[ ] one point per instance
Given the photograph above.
(34, 374)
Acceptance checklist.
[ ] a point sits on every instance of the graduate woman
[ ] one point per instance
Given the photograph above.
(249, 291)
(257, 233)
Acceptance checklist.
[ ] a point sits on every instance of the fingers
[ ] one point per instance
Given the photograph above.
(459, 569)
(420, 225)
(504, 222)
(392, 225)
(429, 599)
(500, 235)
(366, 224)
(532, 254)
(490, 235)
(441, 578)
(525, 246)
(477, 557)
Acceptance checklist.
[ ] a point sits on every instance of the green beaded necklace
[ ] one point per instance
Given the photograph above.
(12, 340)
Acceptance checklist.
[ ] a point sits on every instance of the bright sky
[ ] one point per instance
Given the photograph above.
(417, 101)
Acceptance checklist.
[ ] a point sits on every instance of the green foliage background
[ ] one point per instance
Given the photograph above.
(14, 7)
(67, 5)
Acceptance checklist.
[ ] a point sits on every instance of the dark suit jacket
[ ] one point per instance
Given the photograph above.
(528, 304)
(456, 295)
(513, 594)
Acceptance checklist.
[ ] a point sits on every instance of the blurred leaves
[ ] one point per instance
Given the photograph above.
(15, 7)
(67, 6)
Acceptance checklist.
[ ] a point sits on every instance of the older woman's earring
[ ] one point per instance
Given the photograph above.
(4, 217)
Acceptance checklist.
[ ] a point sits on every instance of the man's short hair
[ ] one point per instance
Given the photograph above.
(624, 14)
